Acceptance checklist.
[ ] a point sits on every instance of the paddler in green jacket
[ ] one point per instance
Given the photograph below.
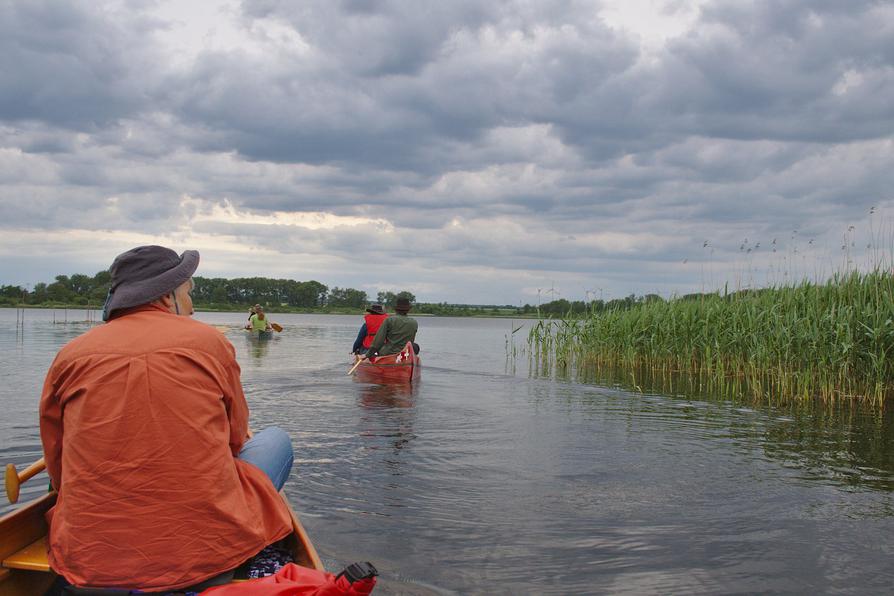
(395, 332)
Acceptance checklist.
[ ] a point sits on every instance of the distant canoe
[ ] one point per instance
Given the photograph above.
(403, 367)
(260, 334)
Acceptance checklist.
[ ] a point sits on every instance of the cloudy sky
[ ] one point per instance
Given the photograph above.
(479, 152)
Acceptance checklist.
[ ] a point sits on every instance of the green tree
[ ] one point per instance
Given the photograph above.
(100, 285)
(60, 290)
(40, 294)
(386, 298)
(347, 297)
(15, 292)
(80, 284)
(390, 298)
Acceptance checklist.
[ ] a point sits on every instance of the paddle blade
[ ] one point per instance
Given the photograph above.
(276, 327)
(14, 478)
(12, 483)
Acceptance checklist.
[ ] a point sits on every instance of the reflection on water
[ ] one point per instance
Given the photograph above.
(476, 480)
(257, 345)
(390, 418)
(388, 395)
(844, 442)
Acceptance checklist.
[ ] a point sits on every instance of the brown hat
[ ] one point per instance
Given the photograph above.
(376, 309)
(403, 305)
(146, 273)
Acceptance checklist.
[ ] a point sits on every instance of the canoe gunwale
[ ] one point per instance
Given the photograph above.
(26, 525)
(405, 371)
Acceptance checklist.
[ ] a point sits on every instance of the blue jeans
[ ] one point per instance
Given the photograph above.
(270, 450)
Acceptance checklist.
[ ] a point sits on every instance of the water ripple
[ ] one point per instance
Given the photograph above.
(475, 481)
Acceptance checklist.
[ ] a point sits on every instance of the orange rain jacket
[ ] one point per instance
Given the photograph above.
(141, 420)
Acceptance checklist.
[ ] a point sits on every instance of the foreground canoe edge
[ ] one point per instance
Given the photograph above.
(25, 571)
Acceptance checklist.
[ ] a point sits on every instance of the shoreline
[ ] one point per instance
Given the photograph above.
(482, 315)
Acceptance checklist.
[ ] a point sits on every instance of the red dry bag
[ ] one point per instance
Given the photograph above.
(358, 579)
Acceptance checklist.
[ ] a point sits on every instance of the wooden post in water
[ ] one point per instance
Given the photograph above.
(20, 320)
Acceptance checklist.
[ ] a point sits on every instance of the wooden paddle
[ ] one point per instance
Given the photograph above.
(276, 327)
(356, 364)
(14, 479)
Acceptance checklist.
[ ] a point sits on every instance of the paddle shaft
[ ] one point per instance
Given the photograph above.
(14, 479)
(356, 364)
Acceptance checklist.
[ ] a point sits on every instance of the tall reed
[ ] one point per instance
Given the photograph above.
(832, 340)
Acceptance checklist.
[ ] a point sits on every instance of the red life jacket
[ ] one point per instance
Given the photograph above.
(373, 322)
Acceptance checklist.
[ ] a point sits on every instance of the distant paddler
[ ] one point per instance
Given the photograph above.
(258, 320)
(394, 333)
(259, 323)
(372, 320)
(251, 311)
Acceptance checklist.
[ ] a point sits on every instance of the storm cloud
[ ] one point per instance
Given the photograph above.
(468, 152)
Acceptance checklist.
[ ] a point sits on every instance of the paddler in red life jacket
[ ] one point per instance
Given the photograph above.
(371, 322)
(395, 332)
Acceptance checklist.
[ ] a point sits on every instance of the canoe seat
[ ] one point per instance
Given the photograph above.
(33, 557)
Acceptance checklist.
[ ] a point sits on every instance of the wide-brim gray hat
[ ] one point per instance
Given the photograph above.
(146, 273)
(376, 309)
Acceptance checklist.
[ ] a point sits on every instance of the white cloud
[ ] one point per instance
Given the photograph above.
(653, 22)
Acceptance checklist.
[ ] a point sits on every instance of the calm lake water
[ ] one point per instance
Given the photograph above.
(483, 480)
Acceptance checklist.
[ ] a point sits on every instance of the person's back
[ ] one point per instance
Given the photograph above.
(141, 422)
(395, 332)
(372, 321)
(259, 321)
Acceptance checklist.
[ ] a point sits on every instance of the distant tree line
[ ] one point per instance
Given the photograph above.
(245, 291)
(217, 292)
(564, 308)
(78, 289)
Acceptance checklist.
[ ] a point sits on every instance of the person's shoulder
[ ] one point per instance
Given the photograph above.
(181, 329)
(206, 338)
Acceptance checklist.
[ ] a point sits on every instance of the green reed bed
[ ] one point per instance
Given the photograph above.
(831, 340)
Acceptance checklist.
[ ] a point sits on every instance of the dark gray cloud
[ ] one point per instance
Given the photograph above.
(77, 65)
(795, 71)
(502, 143)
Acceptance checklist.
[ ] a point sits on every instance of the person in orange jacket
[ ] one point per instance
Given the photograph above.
(144, 427)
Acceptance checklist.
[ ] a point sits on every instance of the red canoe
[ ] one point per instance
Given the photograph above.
(403, 367)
